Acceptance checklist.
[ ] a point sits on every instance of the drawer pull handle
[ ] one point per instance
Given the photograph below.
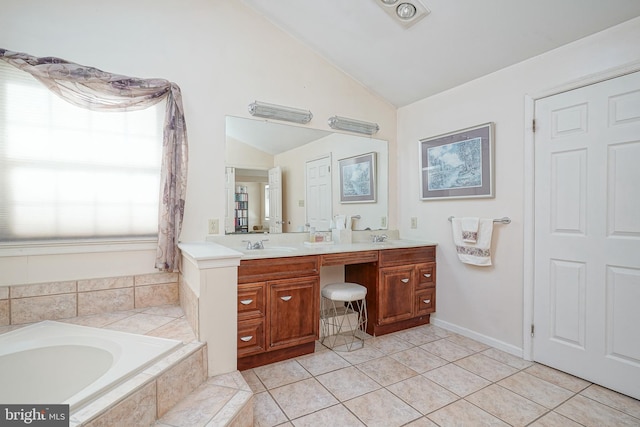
(427, 275)
(404, 280)
(426, 301)
(246, 339)
(287, 298)
(246, 301)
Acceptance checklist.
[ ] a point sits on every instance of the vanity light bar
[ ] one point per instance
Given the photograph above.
(351, 125)
(279, 112)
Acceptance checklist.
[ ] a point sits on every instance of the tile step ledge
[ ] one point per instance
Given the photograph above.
(222, 400)
(141, 391)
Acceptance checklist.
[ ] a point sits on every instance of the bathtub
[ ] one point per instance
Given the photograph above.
(52, 362)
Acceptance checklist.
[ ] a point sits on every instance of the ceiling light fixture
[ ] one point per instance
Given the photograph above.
(404, 12)
(352, 125)
(279, 112)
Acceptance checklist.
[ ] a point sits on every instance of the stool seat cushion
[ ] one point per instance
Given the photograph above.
(344, 292)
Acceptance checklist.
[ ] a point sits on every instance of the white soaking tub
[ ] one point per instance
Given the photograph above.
(52, 362)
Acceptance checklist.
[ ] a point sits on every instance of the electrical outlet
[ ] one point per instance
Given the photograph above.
(414, 222)
(301, 203)
(383, 222)
(214, 226)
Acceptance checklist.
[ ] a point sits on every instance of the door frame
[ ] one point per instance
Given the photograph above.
(529, 195)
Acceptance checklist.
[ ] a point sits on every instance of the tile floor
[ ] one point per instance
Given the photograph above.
(427, 376)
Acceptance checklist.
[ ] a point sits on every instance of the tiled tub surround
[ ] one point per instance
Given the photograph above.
(172, 389)
(427, 376)
(20, 304)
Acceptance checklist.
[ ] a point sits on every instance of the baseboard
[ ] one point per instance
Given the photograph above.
(500, 345)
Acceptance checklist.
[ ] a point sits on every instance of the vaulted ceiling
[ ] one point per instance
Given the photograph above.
(458, 41)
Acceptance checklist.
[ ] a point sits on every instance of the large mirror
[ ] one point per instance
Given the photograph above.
(285, 178)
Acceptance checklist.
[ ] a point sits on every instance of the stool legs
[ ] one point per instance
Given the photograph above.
(343, 323)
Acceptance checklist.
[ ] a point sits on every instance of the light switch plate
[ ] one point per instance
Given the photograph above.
(214, 226)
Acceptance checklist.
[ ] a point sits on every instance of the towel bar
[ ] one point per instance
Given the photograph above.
(503, 220)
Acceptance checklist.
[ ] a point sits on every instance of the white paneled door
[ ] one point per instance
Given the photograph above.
(587, 233)
(275, 200)
(318, 193)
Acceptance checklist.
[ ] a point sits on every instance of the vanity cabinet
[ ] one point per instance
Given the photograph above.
(278, 309)
(401, 288)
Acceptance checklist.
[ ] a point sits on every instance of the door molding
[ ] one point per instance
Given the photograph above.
(529, 195)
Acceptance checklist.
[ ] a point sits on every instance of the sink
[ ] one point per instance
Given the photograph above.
(269, 249)
(385, 244)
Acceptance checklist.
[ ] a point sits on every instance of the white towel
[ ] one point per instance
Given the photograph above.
(478, 253)
(470, 229)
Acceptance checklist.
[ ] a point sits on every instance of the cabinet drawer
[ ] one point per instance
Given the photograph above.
(250, 337)
(346, 258)
(425, 301)
(260, 270)
(426, 275)
(251, 300)
(405, 256)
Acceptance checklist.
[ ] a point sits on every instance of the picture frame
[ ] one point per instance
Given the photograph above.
(458, 164)
(358, 179)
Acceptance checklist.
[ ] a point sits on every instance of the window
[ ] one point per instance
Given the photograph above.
(72, 173)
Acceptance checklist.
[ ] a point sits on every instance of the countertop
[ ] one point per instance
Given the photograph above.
(235, 249)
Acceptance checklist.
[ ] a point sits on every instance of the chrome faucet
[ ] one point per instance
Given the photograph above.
(257, 245)
(378, 238)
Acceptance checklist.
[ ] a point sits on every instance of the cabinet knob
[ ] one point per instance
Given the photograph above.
(286, 298)
(404, 280)
(426, 301)
(246, 339)
(427, 275)
(246, 301)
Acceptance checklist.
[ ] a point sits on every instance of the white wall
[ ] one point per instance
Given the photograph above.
(489, 301)
(222, 55)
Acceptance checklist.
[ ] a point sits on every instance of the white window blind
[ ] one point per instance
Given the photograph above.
(72, 173)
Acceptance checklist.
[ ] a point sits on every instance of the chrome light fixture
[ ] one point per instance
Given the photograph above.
(405, 12)
(351, 125)
(279, 112)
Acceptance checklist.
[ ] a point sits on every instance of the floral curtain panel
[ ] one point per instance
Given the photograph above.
(90, 88)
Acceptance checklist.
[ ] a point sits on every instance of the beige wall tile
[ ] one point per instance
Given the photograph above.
(41, 289)
(50, 307)
(105, 283)
(4, 292)
(104, 301)
(179, 381)
(155, 295)
(4, 312)
(139, 408)
(154, 279)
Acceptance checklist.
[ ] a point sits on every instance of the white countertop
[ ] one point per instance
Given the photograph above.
(200, 251)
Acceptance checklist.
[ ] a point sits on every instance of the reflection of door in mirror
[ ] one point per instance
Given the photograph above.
(275, 200)
(247, 201)
(318, 193)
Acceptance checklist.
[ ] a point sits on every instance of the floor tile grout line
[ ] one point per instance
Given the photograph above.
(412, 345)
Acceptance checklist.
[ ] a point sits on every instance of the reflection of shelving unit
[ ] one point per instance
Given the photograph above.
(242, 210)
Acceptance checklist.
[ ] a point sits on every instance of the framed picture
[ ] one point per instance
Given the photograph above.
(358, 179)
(457, 164)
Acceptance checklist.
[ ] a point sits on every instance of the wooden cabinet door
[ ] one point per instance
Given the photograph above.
(293, 311)
(396, 294)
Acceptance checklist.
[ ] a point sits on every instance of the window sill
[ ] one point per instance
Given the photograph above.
(75, 247)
